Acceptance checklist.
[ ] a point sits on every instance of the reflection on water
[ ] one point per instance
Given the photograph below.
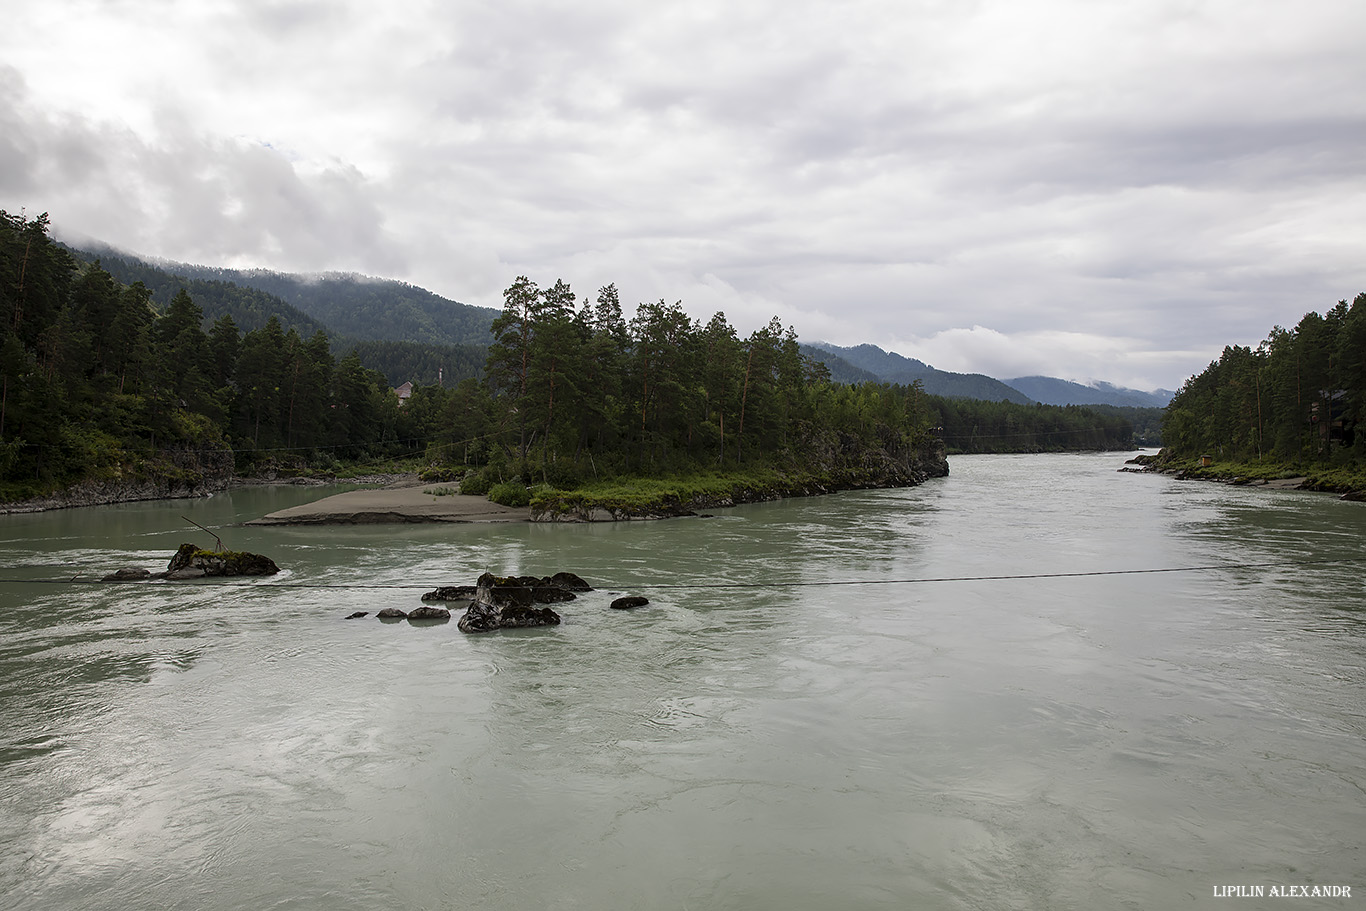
(785, 742)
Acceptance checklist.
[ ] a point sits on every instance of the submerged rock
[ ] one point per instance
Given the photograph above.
(509, 603)
(571, 582)
(358, 614)
(128, 574)
(451, 593)
(429, 613)
(629, 602)
(392, 613)
(190, 562)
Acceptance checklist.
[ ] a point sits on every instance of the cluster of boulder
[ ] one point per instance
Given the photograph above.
(191, 562)
(502, 602)
(492, 603)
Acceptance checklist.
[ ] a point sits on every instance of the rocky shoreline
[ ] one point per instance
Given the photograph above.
(107, 493)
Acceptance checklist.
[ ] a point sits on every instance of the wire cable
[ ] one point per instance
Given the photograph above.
(821, 583)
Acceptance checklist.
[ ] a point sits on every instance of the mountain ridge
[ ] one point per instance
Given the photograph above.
(891, 367)
(1051, 390)
(357, 309)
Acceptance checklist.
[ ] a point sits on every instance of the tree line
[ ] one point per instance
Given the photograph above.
(973, 425)
(98, 382)
(574, 389)
(1297, 398)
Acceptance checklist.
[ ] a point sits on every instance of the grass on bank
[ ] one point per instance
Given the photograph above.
(1318, 477)
(638, 495)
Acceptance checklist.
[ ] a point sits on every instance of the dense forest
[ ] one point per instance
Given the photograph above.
(388, 308)
(96, 383)
(102, 380)
(420, 363)
(575, 391)
(249, 308)
(361, 307)
(973, 425)
(1296, 399)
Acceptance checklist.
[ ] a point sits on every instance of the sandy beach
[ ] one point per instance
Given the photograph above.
(403, 501)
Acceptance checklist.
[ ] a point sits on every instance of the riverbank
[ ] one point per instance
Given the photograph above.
(108, 493)
(403, 500)
(408, 500)
(1349, 484)
(651, 498)
(400, 498)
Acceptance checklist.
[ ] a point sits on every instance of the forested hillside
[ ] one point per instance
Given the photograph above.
(365, 308)
(99, 384)
(841, 371)
(970, 425)
(1053, 391)
(419, 364)
(1296, 399)
(249, 308)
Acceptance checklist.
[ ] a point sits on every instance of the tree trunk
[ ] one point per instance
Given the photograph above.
(744, 396)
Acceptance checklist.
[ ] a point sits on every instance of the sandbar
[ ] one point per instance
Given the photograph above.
(407, 501)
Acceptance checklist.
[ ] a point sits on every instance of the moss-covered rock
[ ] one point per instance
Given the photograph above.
(191, 562)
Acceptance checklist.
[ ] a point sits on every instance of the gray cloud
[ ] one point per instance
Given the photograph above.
(198, 197)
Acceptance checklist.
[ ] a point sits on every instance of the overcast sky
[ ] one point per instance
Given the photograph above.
(1094, 190)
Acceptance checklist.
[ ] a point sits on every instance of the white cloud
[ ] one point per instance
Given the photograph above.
(1077, 356)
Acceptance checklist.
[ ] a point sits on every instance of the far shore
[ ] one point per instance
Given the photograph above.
(404, 500)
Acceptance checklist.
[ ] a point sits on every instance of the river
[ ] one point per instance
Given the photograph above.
(824, 706)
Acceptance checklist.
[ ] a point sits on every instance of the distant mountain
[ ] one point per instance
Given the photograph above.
(249, 308)
(1053, 391)
(411, 333)
(887, 366)
(893, 368)
(841, 371)
(367, 308)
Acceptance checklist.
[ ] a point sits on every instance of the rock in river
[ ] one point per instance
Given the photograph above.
(451, 593)
(128, 574)
(629, 602)
(571, 582)
(507, 603)
(190, 562)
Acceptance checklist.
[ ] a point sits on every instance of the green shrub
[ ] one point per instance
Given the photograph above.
(510, 493)
(475, 484)
(563, 474)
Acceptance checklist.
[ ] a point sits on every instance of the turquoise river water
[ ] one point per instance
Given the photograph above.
(824, 706)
